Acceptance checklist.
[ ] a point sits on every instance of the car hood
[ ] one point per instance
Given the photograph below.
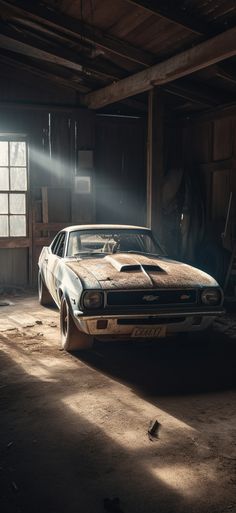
(135, 271)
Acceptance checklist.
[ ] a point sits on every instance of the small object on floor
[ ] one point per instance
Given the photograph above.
(5, 302)
(38, 322)
(14, 486)
(153, 430)
(112, 505)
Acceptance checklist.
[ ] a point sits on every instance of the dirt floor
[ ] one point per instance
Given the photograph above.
(74, 428)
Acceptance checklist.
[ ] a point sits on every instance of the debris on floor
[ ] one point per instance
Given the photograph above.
(154, 429)
(112, 505)
(5, 302)
(14, 486)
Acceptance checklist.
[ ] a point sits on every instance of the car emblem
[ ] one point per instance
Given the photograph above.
(185, 296)
(150, 298)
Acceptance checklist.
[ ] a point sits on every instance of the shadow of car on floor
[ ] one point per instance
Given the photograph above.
(199, 362)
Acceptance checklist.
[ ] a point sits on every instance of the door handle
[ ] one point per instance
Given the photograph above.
(46, 260)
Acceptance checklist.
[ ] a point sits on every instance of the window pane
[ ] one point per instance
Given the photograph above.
(17, 203)
(3, 203)
(3, 153)
(4, 226)
(4, 178)
(18, 178)
(17, 226)
(17, 153)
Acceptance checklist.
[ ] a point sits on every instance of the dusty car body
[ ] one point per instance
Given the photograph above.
(112, 281)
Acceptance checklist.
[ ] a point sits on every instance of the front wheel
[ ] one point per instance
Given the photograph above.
(71, 338)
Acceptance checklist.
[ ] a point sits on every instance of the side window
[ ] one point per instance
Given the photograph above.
(61, 245)
(55, 243)
(58, 244)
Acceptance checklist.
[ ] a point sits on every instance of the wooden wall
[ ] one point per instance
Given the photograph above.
(120, 162)
(55, 138)
(209, 150)
(209, 160)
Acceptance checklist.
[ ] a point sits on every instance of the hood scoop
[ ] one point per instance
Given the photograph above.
(123, 265)
(152, 268)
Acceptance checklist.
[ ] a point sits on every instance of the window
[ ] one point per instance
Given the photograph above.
(13, 188)
(58, 244)
(107, 241)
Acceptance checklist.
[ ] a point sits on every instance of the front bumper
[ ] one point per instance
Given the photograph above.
(123, 325)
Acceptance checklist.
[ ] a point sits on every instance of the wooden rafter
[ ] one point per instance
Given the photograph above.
(197, 92)
(199, 57)
(23, 66)
(75, 28)
(36, 50)
(227, 74)
(173, 14)
(220, 71)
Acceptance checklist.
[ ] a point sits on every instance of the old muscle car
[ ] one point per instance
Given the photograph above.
(112, 281)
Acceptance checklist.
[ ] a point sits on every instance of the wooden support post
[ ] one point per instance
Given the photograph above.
(155, 161)
(44, 204)
(30, 250)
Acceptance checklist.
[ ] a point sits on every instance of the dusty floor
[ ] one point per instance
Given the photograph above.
(74, 428)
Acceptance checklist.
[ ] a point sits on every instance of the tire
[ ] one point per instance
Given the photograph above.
(71, 338)
(45, 298)
(183, 338)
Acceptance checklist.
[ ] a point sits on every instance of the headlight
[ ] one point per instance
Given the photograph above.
(93, 299)
(211, 296)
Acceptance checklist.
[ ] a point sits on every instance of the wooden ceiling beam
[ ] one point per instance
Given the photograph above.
(173, 14)
(193, 92)
(21, 65)
(219, 71)
(29, 50)
(199, 57)
(226, 74)
(18, 43)
(75, 28)
(72, 82)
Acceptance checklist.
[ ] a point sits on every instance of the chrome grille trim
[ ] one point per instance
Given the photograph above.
(151, 298)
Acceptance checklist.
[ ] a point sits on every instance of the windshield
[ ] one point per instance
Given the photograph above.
(95, 242)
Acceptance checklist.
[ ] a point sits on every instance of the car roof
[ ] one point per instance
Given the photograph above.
(104, 227)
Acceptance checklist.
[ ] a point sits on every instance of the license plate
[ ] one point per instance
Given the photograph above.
(149, 332)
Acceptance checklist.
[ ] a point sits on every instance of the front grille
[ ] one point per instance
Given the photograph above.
(152, 298)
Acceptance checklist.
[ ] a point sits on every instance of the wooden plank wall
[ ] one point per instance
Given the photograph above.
(209, 149)
(120, 162)
(55, 138)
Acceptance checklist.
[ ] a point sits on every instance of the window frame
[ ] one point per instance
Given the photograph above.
(16, 137)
